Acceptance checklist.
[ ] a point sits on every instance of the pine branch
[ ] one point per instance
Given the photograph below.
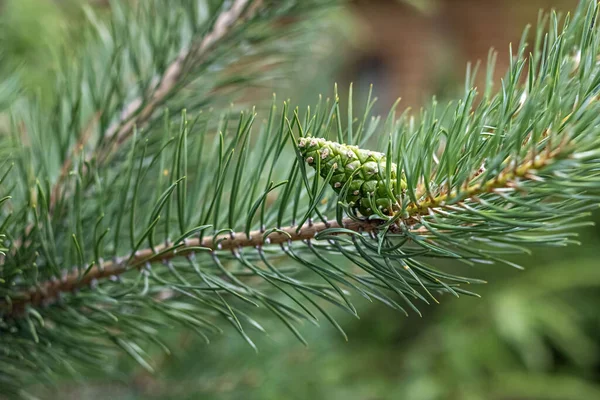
(481, 179)
(138, 111)
(49, 291)
(154, 60)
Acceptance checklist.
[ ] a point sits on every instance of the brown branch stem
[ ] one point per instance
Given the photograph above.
(50, 290)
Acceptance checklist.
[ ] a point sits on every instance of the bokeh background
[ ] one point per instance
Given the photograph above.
(534, 334)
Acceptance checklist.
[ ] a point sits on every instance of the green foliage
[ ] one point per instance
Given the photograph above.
(30, 33)
(531, 335)
(128, 208)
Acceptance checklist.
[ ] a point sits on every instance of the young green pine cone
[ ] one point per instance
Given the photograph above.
(365, 169)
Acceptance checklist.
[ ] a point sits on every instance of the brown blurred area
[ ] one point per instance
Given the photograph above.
(415, 48)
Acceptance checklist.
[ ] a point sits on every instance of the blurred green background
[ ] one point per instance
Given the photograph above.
(534, 334)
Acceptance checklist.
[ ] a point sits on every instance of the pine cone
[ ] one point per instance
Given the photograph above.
(366, 169)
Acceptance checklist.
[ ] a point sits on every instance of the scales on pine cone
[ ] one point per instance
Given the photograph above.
(365, 169)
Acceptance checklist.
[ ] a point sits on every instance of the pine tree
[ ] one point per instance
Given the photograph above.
(139, 200)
